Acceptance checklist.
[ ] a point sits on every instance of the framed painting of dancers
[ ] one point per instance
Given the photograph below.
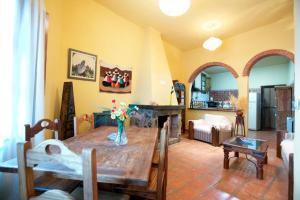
(82, 65)
(115, 79)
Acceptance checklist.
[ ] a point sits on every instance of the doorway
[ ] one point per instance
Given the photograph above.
(271, 83)
(268, 107)
(276, 106)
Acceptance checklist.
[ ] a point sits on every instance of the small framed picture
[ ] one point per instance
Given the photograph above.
(82, 65)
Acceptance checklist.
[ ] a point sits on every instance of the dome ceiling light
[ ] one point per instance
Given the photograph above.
(212, 43)
(174, 8)
(211, 25)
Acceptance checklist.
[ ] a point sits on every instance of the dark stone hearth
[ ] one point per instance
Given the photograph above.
(155, 116)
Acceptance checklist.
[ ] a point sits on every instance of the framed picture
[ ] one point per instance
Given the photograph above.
(82, 65)
(115, 79)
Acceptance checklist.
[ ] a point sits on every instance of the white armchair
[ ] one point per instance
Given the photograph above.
(212, 128)
(285, 151)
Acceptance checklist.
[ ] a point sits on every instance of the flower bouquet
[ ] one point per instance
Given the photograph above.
(121, 113)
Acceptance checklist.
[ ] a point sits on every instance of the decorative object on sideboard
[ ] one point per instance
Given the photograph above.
(115, 79)
(120, 114)
(82, 65)
(172, 91)
(67, 111)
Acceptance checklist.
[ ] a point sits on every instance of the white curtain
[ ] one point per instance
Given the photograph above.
(22, 78)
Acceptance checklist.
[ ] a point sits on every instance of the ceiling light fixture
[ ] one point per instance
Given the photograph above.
(212, 43)
(211, 25)
(174, 7)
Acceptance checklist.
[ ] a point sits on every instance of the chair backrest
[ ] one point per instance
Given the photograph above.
(78, 121)
(104, 119)
(31, 131)
(216, 118)
(163, 158)
(56, 152)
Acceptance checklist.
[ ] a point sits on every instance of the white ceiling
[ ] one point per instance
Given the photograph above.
(186, 32)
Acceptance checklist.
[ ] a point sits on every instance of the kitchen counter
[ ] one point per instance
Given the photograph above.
(214, 109)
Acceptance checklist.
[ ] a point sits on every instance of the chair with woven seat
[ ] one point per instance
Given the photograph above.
(44, 183)
(79, 121)
(81, 167)
(158, 176)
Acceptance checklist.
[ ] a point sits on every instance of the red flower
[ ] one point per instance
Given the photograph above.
(113, 101)
(113, 110)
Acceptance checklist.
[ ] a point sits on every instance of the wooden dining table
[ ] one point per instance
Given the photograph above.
(127, 165)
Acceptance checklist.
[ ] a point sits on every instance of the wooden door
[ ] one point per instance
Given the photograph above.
(268, 108)
(283, 106)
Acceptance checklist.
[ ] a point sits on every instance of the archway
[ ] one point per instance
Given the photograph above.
(271, 52)
(210, 64)
(213, 87)
(271, 79)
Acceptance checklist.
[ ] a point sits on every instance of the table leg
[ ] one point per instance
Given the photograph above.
(259, 169)
(236, 154)
(266, 159)
(226, 159)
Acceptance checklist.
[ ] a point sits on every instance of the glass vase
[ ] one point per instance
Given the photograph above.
(121, 138)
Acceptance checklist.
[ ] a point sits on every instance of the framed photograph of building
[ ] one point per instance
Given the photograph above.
(82, 65)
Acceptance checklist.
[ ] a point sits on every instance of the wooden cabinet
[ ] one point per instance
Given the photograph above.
(179, 89)
(283, 106)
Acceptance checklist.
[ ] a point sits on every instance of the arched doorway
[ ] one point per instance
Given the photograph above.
(271, 82)
(212, 86)
(272, 52)
(211, 64)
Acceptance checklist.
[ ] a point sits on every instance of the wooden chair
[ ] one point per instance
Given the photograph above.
(81, 119)
(104, 119)
(54, 126)
(83, 167)
(158, 177)
(155, 159)
(45, 183)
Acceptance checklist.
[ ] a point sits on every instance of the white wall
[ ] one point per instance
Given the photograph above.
(269, 75)
(223, 81)
(297, 97)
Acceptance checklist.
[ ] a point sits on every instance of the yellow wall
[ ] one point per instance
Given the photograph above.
(236, 51)
(54, 55)
(88, 26)
(174, 56)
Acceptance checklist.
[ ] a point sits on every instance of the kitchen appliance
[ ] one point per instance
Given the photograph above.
(254, 111)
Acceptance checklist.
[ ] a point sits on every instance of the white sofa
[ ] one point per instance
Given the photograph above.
(287, 147)
(211, 128)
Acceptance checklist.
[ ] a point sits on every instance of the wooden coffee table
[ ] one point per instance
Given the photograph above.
(254, 147)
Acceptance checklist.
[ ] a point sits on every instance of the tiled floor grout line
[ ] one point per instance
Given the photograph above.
(189, 182)
(241, 184)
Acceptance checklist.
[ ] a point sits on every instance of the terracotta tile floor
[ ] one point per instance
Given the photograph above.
(196, 172)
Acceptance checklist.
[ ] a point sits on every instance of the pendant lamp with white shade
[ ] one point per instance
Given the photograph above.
(174, 7)
(212, 43)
